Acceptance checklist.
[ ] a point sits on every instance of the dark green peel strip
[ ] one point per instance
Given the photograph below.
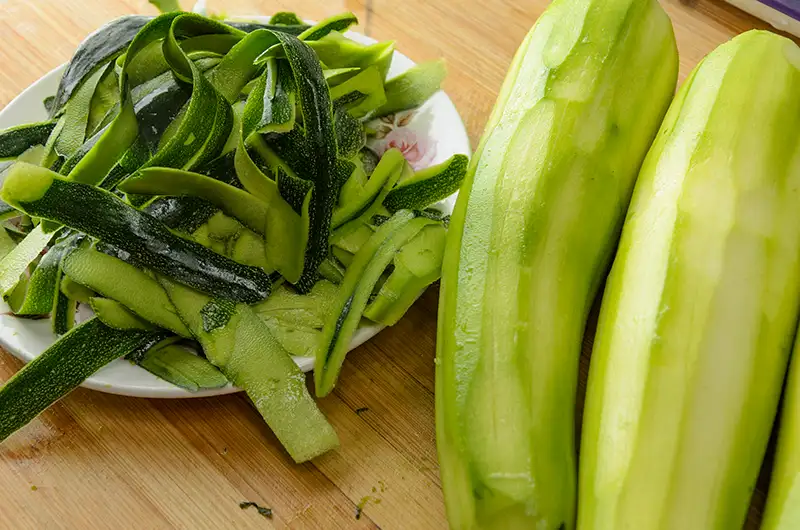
(428, 186)
(16, 140)
(60, 369)
(96, 49)
(42, 193)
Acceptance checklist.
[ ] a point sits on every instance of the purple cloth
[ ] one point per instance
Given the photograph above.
(787, 7)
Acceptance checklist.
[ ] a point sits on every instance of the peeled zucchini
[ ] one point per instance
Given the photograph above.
(701, 305)
(533, 230)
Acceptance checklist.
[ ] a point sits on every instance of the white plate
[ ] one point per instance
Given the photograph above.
(427, 136)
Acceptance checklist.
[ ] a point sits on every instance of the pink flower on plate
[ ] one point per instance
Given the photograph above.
(419, 152)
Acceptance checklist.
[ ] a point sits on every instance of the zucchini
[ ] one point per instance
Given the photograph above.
(42, 193)
(416, 265)
(701, 305)
(315, 185)
(285, 18)
(16, 140)
(186, 214)
(336, 51)
(76, 115)
(533, 231)
(96, 49)
(296, 320)
(235, 202)
(428, 186)
(128, 285)
(40, 295)
(75, 291)
(354, 293)
(350, 135)
(361, 94)
(178, 366)
(60, 369)
(17, 260)
(340, 22)
(317, 112)
(237, 342)
(356, 200)
(412, 88)
(62, 315)
(781, 511)
(115, 315)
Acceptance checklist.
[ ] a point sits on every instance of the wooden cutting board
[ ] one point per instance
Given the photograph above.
(102, 461)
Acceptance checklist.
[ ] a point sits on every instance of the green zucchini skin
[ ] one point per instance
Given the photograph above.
(428, 186)
(359, 281)
(41, 291)
(150, 243)
(317, 112)
(115, 315)
(701, 306)
(96, 49)
(412, 88)
(532, 234)
(16, 140)
(125, 283)
(235, 202)
(237, 342)
(178, 366)
(60, 369)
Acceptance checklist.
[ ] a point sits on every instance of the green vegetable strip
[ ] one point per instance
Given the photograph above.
(16, 140)
(208, 111)
(285, 18)
(350, 134)
(237, 67)
(238, 342)
(76, 115)
(166, 6)
(155, 340)
(42, 193)
(115, 315)
(359, 280)
(42, 285)
(361, 94)
(245, 207)
(60, 369)
(429, 185)
(338, 23)
(271, 107)
(417, 265)
(337, 51)
(182, 368)
(96, 49)
(368, 198)
(413, 87)
(15, 262)
(317, 112)
(129, 285)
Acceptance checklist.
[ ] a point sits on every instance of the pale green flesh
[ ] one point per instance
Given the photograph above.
(128, 285)
(783, 502)
(250, 357)
(531, 237)
(235, 202)
(700, 307)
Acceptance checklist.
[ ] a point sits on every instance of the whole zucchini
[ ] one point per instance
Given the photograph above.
(530, 239)
(701, 305)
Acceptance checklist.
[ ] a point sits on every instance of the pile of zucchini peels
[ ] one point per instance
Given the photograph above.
(208, 183)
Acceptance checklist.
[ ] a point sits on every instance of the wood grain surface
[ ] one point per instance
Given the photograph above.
(102, 461)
